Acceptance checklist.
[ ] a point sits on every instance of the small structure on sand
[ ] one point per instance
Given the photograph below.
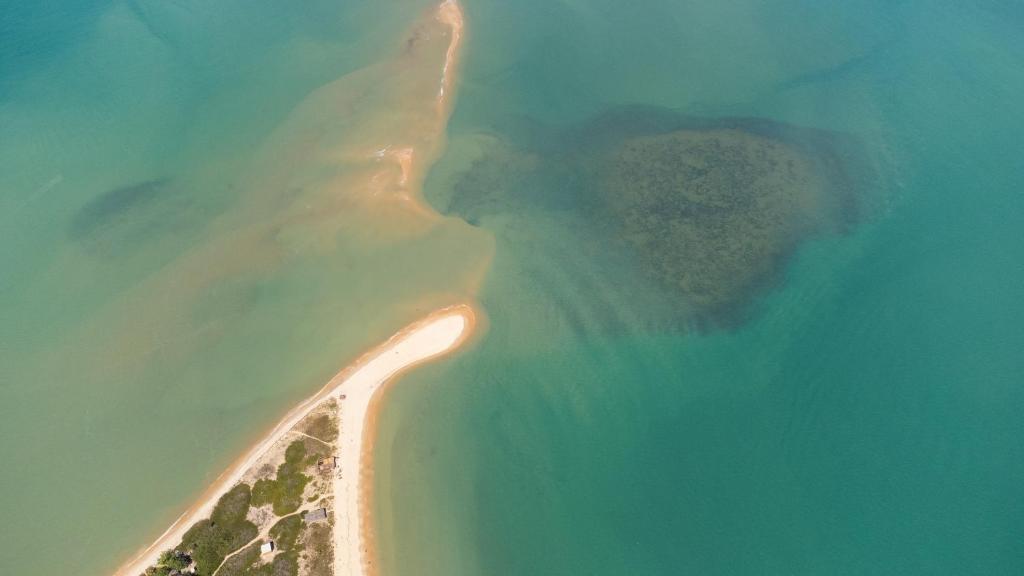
(326, 464)
(318, 515)
(267, 547)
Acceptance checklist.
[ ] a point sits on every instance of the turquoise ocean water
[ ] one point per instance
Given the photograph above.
(863, 418)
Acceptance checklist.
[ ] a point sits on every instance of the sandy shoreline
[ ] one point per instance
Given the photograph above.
(433, 336)
(354, 553)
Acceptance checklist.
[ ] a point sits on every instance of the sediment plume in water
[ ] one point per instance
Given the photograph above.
(336, 190)
(327, 249)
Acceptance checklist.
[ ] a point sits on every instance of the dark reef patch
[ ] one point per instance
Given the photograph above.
(709, 214)
(120, 221)
(708, 210)
(108, 207)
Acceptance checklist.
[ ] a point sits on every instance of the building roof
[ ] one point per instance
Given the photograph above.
(315, 515)
(267, 547)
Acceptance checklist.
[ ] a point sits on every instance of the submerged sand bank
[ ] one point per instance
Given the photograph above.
(378, 162)
(433, 336)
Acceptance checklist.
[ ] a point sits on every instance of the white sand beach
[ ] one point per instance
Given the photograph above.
(444, 332)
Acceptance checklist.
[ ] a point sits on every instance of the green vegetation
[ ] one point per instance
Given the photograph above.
(282, 565)
(241, 563)
(319, 549)
(285, 491)
(174, 559)
(285, 535)
(315, 451)
(323, 427)
(225, 544)
(286, 532)
(227, 530)
(169, 560)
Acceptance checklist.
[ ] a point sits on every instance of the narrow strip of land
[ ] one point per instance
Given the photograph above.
(353, 554)
(355, 388)
(352, 388)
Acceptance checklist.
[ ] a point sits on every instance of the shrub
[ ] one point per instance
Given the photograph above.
(241, 564)
(323, 427)
(224, 532)
(284, 492)
(174, 559)
(286, 532)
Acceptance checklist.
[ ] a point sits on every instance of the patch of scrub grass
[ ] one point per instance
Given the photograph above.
(319, 550)
(315, 451)
(285, 491)
(286, 532)
(241, 563)
(323, 427)
(227, 530)
(283, 565)
(247, 563)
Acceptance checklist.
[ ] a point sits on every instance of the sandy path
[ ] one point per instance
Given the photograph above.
(436, 334)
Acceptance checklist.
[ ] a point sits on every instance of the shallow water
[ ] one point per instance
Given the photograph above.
(862, 419)
(182, 265)
(185, 254)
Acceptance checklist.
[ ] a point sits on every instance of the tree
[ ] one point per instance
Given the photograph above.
(175, 559)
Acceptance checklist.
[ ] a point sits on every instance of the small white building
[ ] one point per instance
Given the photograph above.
(267, 547)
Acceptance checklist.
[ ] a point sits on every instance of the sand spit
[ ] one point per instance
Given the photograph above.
(380, 161)
(450, 13)
(352, 528)
(353, 388)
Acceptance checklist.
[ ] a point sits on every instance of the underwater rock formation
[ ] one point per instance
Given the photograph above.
(710, 214)
(114, 204)
(706, 211)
